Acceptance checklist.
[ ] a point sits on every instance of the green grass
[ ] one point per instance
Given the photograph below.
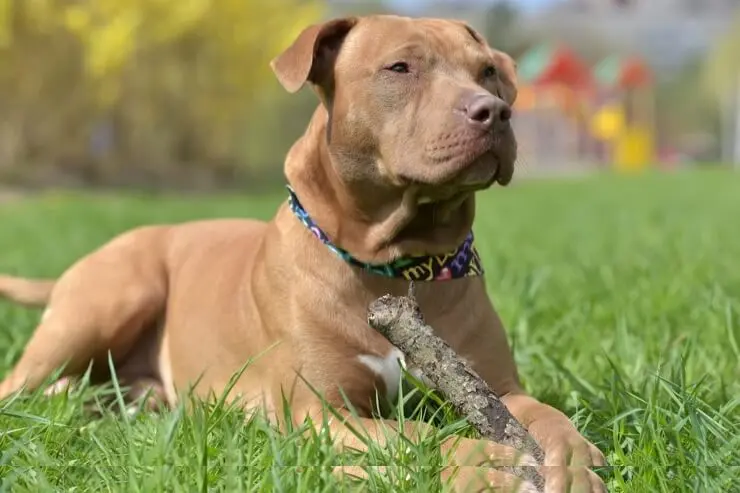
(621, 297)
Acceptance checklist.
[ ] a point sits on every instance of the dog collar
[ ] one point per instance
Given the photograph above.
(463, 262)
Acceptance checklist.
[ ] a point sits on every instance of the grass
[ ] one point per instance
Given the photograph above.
(621, 297)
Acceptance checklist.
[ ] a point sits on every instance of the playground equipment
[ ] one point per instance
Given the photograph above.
(624, 119)
(568, 112)
(551, 111)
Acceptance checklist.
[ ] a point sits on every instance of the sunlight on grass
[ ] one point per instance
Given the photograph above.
(622, 301)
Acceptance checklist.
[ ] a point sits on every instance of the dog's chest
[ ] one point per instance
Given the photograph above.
(370, 363)
(389, 369)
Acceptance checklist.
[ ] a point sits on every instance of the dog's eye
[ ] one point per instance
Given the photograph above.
(489, 72)
(399, 68)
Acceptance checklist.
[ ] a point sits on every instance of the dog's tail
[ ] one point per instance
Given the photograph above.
(28, 292)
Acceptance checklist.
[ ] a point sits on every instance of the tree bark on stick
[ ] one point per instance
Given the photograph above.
(400, 320)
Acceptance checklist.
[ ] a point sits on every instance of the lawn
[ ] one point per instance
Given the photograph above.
(621, 297)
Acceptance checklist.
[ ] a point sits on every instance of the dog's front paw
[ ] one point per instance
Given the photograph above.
(563, 445)
(562, 479)
(568, 458)
(558, 479)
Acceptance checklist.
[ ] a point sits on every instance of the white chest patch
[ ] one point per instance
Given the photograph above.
(387, 369)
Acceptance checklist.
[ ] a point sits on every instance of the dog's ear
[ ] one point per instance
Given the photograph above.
(504, 63)
(312, 55)
(507, 73)
(475, 34)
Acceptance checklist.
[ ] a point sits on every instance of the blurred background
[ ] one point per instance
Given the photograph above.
(178, 94)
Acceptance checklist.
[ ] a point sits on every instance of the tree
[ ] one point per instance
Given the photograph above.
(722, 83)
(175, 80)
(501, 30)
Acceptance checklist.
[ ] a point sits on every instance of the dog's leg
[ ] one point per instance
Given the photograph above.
(563, 444)
(148, 394)
(468, 464)
(72, 337)
(101, 304)
(144, 394)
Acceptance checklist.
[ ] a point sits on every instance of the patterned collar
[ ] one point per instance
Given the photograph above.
(463, 262)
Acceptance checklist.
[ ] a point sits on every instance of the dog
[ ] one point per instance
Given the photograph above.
(414, 118)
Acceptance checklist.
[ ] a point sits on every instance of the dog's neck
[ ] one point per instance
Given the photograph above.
(338, 216)
(369, 219)
(463, 262)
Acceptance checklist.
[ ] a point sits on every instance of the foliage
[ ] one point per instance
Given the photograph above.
(144, 82)
(721, 83)
(722, 66)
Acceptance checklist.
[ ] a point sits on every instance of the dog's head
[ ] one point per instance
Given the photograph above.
(417, 116)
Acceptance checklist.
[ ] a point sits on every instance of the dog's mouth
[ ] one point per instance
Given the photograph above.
(479, 176)
(462, 174)
(478, 162)
(445, 200)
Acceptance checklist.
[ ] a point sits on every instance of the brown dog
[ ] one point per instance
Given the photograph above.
(414, 120)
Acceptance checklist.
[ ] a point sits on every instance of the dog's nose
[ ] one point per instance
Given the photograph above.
(487, 111)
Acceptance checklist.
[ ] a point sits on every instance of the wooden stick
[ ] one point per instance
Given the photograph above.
(400, 320)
